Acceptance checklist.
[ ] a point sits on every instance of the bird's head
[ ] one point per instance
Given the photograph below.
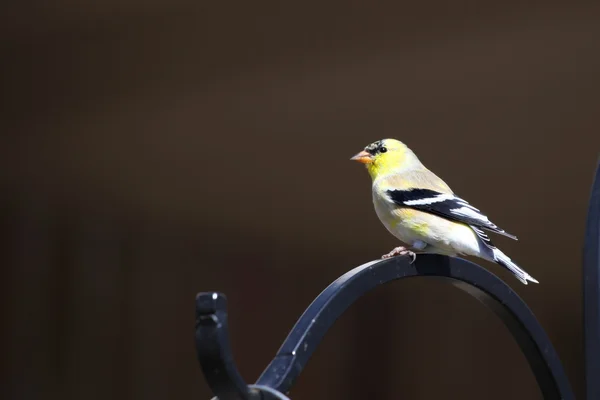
(385, 156)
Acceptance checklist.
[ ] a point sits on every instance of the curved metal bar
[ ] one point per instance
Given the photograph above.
(213, 349)
(591, 293)
(467, 276)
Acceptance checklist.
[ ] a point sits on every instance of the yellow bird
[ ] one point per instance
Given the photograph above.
(421, 210)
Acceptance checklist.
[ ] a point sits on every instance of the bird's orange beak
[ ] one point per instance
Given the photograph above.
(363, 157)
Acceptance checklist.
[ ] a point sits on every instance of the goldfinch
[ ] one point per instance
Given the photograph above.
(421, 210)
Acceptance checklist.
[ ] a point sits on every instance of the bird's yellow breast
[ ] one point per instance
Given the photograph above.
(409, 219)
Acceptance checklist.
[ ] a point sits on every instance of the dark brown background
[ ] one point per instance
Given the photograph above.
(154, 149)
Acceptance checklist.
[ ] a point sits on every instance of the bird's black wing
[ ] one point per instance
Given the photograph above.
(448, 206)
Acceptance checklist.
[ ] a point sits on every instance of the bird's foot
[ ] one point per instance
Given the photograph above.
(400, 251)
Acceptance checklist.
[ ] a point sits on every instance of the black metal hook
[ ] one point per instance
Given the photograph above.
(467, 276)
(296, 350)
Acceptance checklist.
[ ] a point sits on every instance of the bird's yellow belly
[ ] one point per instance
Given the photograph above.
(410, 226)
(404, 223)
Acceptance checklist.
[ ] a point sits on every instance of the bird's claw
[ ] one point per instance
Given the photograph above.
(400, 251)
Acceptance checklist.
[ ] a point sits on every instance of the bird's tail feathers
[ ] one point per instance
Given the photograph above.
(506, 262)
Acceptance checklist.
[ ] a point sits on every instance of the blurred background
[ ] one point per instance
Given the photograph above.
(155, 149)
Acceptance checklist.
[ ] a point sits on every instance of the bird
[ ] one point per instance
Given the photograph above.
(420, 209)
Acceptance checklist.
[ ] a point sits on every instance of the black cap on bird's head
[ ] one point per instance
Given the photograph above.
(370, 152)
(376, 147)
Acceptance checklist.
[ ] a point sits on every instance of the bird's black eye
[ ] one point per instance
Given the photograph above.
(382, 150)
